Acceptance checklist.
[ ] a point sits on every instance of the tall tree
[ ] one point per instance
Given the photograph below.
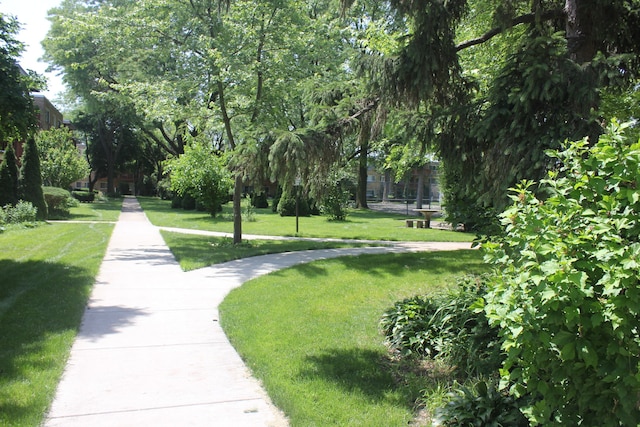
(17, 113)
(60, 162)
(549, 61)
(9, 178)
(30, 184)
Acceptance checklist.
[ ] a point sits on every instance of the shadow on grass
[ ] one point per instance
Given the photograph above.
(41, 307)
(399, 264)
(359, 371)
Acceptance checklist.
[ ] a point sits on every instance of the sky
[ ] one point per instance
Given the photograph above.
(32, 15)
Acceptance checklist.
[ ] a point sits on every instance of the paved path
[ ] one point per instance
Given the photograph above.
(150, 351)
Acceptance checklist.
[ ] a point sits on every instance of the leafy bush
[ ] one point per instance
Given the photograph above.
(200, 174)
(57, 201)
(84, 196)
(446, 327)
(335, 202)
(566, 292)
(483, 406)
(260, 200)
(287, 206)
(22, 212)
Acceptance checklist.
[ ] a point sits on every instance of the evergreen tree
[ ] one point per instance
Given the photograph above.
(30, 183)
(9, 178)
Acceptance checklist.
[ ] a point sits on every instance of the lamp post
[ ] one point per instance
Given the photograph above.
(297, 187)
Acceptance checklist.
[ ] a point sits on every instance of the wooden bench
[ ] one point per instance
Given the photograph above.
(409, 223)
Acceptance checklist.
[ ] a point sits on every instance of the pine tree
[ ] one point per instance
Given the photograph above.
(9, 178)
(31, 180)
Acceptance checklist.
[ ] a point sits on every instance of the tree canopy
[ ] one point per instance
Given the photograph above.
(17, 113)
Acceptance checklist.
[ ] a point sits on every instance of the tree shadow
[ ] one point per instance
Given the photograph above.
(399, 264)
(41, 307)
(360, 371)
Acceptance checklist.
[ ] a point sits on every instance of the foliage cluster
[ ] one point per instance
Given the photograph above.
(60, 162)
(58, 201)
(22, 212)
(202, 175)
(86, 196)
(445, 327)
(30, 181)
(481, 405)
(566, 293)
(9, 176)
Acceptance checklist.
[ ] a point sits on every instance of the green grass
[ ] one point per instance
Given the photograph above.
(310, 333)
(360, 224)
(194, 252)
(99, 210)
(46, 276)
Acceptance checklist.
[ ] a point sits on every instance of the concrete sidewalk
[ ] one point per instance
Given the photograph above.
(150, 350)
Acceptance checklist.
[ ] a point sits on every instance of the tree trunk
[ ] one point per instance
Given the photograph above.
(361, 193)
(237, 187)
(387, 185)
(420, 189)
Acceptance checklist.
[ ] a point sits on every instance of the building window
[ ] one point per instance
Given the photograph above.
(47, 117)
(371, 178)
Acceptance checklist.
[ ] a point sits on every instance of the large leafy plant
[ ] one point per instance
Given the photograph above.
(566, 295)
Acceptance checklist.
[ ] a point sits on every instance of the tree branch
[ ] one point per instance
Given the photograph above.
(523, 19)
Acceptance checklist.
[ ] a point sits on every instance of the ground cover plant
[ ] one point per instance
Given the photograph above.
(194, 252)
(47, 273)
(311, 334)
(360, 224)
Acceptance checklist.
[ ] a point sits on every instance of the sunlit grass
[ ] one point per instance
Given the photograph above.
(99, 210)
(310, 333)
(47, 273)
(360, 224)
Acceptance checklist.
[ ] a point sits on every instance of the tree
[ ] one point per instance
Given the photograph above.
(30, 184)
(17, 113)
(201, 174)
(60, 162)
(9, 178)
(528, 76)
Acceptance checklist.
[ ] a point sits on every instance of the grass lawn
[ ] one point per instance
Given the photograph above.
(99, 210)
(194, 252)
(310, 333)
(47, 273)
(360, 224)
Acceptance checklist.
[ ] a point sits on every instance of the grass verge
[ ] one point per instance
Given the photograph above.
(99, 210)
(47, 273)
(360, 224)
(310, 333)
(194, 252)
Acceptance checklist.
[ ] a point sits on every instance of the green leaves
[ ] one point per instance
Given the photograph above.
(567, 293)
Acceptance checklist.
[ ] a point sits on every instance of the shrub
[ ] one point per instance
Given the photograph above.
(335, 203)
(57, 201)
(482, 406)
(188, 202)
(84, 196)
(259, 200)
(202, 175)
(30, 179)
(446, 327)
(22, 212)
(176, 202)
(287, 205)
(566, 294)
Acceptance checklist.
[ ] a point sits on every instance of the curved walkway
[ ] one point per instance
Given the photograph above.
(150, 350)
